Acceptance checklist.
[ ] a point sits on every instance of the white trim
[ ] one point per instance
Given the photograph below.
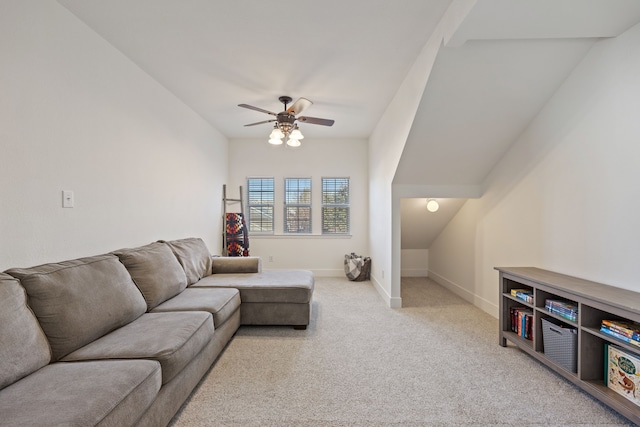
(299, 236)
(414, 272)
(481, 303)
(391, 302)
(329, 272)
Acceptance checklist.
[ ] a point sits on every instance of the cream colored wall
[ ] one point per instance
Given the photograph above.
(566, 196)
(316, 158)
(75, 114)
(414, 263)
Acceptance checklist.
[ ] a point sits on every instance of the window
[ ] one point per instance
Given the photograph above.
(335, 205)
(260, 204)
(297, 205)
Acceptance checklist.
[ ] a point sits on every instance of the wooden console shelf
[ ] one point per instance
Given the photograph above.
(595, 302)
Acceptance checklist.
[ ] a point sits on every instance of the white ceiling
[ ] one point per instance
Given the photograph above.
(349, 57)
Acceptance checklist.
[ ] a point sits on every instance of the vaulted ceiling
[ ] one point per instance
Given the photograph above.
(349, 57)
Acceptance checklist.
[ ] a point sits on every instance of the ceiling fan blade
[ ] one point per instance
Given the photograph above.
(316, 121)
(262, 122)
(299, 106)
(251, 107)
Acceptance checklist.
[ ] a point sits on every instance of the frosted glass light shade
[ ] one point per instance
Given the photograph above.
(275, 141)
(296, 134)
(293, 142)
(276, 134)
(433, 205)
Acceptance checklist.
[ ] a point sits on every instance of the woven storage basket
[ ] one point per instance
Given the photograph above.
(357, 268)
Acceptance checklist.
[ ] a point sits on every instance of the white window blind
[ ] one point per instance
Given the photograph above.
(261, 192)
(297, 205)
(335, 206)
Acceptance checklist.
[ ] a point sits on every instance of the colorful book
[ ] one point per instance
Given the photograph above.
(565, 309)
(522, 321)
(525, 296)
(627, 328)
(621, 372)
(619, 336)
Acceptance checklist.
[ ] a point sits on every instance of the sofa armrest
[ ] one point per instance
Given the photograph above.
(250, 264)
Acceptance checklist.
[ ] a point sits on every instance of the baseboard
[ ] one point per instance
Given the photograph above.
(391, 302)
(414, 272)
(317, 273)
(481, 303)
(329, 273)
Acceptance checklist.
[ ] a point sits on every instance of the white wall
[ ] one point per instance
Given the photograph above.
(414, 263)
(75, 114)
(316, 158)
(385, 149)
(566, 196)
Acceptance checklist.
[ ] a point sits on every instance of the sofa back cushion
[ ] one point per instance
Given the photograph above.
(237, 265)
(155, 271)
(194, 257)
(79, 301)
(23, 346)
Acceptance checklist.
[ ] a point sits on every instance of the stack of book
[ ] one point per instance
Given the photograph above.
(522, 322)
(628, 332)
(523, 294)
(565, 309)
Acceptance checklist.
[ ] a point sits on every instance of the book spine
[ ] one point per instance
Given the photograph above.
(527, 297)
(627, 329)
(619, 336)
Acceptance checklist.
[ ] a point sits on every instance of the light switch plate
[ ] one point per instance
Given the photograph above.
(67, 199)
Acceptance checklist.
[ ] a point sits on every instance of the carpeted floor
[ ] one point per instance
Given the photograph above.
(435, 362)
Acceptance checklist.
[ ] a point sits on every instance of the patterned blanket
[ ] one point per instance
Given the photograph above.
(237, 235)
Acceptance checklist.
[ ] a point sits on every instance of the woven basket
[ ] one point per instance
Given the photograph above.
(357, 268)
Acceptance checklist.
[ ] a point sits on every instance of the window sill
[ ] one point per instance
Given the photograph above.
(299, 236)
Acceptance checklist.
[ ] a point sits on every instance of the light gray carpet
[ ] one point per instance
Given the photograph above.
(435, 362)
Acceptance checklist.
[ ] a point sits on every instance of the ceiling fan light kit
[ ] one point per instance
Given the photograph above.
(285, 121)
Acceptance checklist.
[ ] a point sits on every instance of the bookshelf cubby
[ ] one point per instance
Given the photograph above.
(595, 302)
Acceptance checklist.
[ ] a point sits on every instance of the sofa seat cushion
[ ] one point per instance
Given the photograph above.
(24, 347)
(194, 257)
(173, 339)
(80, 300)
(286, 286)
(99, 393)
(221, 302)
(155, 271)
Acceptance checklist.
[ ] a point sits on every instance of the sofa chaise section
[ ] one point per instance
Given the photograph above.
(272, 297)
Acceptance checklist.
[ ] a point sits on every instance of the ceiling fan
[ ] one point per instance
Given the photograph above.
(286, 120)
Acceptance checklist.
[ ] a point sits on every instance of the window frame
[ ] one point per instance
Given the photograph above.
(334, 205)
(261, 206)
(297, 205)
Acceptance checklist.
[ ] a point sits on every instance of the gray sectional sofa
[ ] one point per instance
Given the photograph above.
(121, 339)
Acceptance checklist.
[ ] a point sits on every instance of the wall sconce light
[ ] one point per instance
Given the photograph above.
(432, 205)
